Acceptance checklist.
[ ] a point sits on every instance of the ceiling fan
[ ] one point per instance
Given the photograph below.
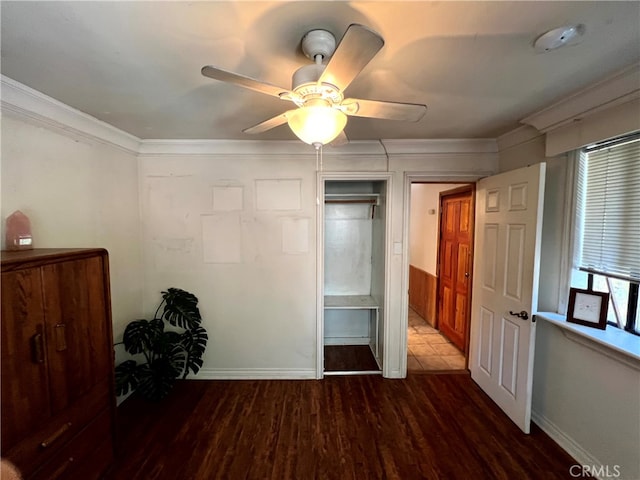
(318, 89)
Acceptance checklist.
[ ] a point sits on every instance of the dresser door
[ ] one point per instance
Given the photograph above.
(77, 328)
(25, 392)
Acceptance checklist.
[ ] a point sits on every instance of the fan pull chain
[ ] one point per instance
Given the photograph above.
(318, 165)
(318, 147)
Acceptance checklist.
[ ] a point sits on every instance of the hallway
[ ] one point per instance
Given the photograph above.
(428, 349)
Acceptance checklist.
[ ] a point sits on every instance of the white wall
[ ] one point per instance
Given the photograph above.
(238, 231)
(586, 401)
(77, 193)
(260, 308)
(424, 225)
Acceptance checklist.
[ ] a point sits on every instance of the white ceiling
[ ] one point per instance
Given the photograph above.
(136, 65)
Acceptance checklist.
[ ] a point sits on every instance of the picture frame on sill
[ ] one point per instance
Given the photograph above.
(587, 307)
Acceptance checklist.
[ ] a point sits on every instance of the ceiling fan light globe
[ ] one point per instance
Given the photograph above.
(317, 124)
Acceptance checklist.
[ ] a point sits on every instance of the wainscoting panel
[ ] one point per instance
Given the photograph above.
(423, 288)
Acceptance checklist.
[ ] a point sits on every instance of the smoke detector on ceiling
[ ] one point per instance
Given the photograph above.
(559, 37)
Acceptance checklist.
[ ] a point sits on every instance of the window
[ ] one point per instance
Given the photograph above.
(607, 249)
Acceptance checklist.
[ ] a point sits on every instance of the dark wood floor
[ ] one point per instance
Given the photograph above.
(355, 427)
(351, 358)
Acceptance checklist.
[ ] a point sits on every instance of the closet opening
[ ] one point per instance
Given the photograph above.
(354, 275)
(441, 228)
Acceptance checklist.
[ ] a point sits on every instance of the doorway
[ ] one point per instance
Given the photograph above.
(440, 247)
(354, 230)
(508, 218)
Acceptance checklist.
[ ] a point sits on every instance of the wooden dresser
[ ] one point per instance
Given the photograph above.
(58, 402)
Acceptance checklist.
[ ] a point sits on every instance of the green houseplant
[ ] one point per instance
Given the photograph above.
(168, 353)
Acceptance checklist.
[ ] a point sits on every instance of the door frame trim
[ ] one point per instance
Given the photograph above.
(409, 178)
(322, 177)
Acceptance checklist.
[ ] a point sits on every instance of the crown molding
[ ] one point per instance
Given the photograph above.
(356, 148)
(612, 122)
(519, 136)
(619, 88)
(440, 146)
(36, 107)
(152, 148)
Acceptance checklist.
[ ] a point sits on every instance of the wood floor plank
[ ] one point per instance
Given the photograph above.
(349, 358)
(355, 427)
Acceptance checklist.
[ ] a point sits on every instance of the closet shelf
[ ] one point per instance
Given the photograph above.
(350, 301)
(366, 198)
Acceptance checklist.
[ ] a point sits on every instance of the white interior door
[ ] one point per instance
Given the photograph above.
(505, 297)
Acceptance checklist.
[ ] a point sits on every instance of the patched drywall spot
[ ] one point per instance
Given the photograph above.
(185, 193)
(295, 235)
(227, 198)
(278, 194)
(172, 254)
(173, 205)
(221, 238)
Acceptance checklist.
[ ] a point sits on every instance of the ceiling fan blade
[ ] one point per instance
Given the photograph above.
(356, 49)
(408, 112)
(268, 124)
(246, 82)
(341, 139)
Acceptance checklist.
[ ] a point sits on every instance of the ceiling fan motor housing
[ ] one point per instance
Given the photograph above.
(319, 46)
(306, 74)
(305, 85)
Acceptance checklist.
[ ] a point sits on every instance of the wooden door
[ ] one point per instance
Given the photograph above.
(79, 343)
(505, 290)
(25, 393)
(455, 261)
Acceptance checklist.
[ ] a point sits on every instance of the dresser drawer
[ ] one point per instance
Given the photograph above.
(96, 464)
(39, 447)
(88, 454)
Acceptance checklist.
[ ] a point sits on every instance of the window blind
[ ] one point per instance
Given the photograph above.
(611, 213)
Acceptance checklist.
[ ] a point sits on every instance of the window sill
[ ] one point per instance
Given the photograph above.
(612, 342)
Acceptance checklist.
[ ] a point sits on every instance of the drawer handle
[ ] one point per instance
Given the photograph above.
(61, 431)
(61, 337)
(62, 468)
(37, 348)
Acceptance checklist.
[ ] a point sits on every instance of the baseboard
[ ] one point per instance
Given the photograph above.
(254, 374)
(394, 374)
(567, 443)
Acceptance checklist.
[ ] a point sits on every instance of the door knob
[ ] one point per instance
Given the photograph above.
(523, 315)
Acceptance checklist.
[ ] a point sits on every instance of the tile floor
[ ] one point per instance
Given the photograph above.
(428, 349)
